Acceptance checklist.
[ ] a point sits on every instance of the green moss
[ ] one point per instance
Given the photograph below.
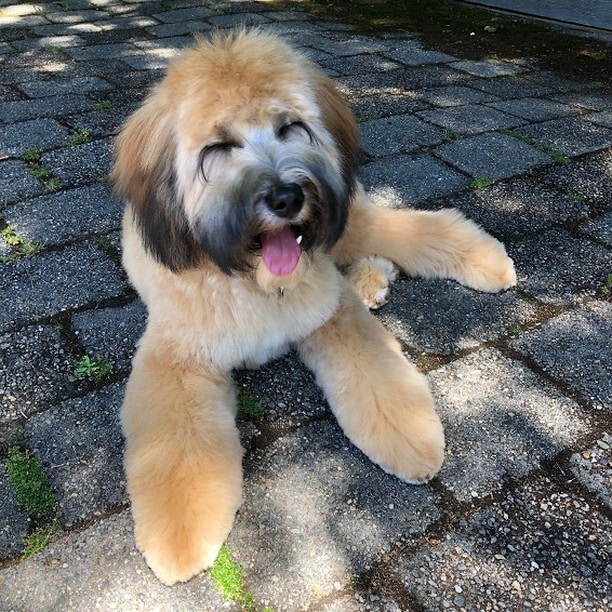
(39, 539)
(228, 576)
(481, 183)
(103, 105)
(558, 157)
(29, 482)
(249, 406)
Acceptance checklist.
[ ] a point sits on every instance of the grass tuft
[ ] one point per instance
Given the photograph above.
(482, 182)
(249, 406)
(29, 482)
(93, 368)
(228, 577)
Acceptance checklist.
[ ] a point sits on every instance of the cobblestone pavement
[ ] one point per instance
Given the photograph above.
(519, 516)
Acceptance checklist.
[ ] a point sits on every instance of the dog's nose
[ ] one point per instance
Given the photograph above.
(286, 200)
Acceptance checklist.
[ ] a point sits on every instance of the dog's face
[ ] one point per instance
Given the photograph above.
(244, 156)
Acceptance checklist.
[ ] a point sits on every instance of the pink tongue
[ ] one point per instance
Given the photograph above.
(280, 252)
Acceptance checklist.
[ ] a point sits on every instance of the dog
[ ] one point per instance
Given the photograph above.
(246, 232)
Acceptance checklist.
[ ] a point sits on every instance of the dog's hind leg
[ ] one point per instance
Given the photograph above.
(182, 462)
(432, 244)
(381, 401)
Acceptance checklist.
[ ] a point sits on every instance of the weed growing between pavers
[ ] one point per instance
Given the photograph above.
(41, 172)
(18, 245)
(452, 133)
(557, 157)
(228, 577)
(29, 482)
(481, 183)
(249, 406)
(607, 288)
(93, 368)
(80, 137)
(103, 105)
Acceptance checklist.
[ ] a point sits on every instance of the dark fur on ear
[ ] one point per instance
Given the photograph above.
(144, 175)
(340, 123)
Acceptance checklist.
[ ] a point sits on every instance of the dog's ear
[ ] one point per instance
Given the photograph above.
(340, 123)
(145, 176)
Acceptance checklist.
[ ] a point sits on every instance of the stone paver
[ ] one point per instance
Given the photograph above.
(347, 510)
(471, 119)
(42, 286)
(528, 551)
(36, 371)
(501, 420)
(442, 317)
(569, 136)
(80, 443)
(400, 134)
(557, 269)
(407, 180)
(44, 219)
(16, 139)
(518, 207)
(518, 517)
(575, 349)
(492, 155)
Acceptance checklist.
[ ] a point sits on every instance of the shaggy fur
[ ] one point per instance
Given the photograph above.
(242, 205)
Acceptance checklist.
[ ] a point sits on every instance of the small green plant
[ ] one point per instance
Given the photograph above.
(228, 576)
(29, 481)
(103, 105)
(80, 137)
(42, 173)
(574, 197)
(39, 539)
(249, 406)
(93, 368)
(596, 85)
(517, 330)
(32, 156)
(558, 157)
(19, 246)
(452, 133)
(607, 288)
(481, 183)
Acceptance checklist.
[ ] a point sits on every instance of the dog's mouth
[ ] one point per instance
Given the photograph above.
(281, 249)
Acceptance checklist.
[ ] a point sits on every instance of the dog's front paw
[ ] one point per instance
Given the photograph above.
(371, 277)
(177, 551)
(180, 532)
(487, 267)
(411, 450)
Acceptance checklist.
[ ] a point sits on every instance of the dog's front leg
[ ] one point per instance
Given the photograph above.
(381, 401)
(182, 462)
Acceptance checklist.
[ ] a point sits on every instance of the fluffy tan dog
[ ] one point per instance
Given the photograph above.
(242, 205)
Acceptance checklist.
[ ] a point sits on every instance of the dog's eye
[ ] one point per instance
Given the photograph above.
(296, 128)
(213, 153)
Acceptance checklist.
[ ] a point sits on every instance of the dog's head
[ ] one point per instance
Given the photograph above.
(244, 155)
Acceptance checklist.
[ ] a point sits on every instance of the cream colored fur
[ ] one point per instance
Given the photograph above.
(183, 456)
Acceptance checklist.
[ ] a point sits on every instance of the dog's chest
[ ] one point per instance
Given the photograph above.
(246, 327)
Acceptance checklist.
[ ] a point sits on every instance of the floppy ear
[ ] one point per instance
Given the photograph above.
(144, 175)
(340, 123)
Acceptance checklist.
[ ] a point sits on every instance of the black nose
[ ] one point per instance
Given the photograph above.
(285, 200)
